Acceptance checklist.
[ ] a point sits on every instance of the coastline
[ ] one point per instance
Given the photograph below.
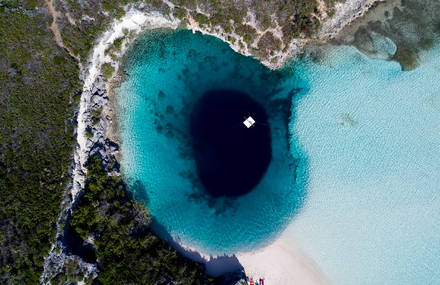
(109, 111)
(100, 93)
(93, 97)
(377, 14)
(349, 14)
(345, 14)
(282, 262)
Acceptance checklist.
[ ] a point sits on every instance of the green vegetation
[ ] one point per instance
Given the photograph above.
(117, 44)
(38, 80)
(127, 251)
(179, 12)
(268, 43)
(96, 115)
(39, 92)
(80, 37)
(89, 133)
(201, 19)
(248, 32)
(297, 18)
(115, 47)
(107, 70)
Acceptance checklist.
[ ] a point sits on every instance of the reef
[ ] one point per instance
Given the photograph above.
(395, 30)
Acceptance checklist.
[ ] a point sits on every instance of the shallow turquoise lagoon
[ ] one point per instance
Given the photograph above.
(166, 73)
(358, 183)
(372, 136)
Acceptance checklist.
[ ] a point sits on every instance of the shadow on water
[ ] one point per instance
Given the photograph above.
(214, 266)
(75, 245)
(139, 191)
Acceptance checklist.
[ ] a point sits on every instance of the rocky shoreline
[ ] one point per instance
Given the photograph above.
(98, 138)
(99, 145)
(92, 140)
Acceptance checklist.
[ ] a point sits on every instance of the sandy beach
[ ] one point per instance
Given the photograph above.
(282, 263)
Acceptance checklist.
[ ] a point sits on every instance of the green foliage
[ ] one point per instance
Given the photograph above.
(268, 44)
(107, 70)
(118, 43)
(115, 47)
(37, 82)
(331, 3)
(89, 133)
(179, 13)
(128, 252)
(297, 18)
(201, 19)
(96, 115)
(81, 36)
(331, 12)
(247, 31)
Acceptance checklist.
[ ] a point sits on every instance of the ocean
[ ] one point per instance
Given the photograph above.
(371, 133)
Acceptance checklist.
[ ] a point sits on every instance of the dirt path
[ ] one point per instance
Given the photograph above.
(56, 31)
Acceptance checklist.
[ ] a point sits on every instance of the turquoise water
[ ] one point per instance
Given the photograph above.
(372, 136)
(166, 74)
(359, 181)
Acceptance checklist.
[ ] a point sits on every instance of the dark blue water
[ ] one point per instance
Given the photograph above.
(231, 158)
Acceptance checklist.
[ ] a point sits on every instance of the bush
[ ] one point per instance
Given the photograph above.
(127, 250)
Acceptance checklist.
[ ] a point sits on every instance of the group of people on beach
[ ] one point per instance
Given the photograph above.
(257, 282)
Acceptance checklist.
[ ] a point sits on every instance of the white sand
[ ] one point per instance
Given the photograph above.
(282, 263)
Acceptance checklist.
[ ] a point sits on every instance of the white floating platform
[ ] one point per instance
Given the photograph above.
(249, 122)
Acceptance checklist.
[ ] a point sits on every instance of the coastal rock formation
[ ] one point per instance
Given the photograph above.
(60, 254)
